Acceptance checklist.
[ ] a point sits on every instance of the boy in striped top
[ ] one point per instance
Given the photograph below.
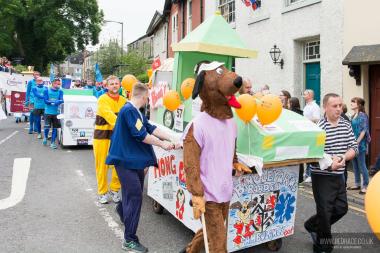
(329, 185)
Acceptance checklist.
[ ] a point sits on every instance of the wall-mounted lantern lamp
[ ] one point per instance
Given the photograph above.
(275, 54)
(355, 73)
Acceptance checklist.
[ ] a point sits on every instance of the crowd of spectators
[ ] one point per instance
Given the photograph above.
(5, 65)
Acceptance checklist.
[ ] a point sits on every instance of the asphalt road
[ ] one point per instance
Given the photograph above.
(59, 212)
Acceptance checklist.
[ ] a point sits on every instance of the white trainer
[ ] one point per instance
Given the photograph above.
(308, 180)
(115, 196)
(103, 199)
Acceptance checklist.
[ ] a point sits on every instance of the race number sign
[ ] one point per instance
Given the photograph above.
(178, 118)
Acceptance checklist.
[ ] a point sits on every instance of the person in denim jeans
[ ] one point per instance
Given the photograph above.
(360, 127)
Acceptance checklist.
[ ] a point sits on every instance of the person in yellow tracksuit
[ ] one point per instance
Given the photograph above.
(109, 105)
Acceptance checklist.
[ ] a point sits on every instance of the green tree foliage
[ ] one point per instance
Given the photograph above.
(108, 56)
(137, 65)
(110, 62)
(144, 78)
(43, 31)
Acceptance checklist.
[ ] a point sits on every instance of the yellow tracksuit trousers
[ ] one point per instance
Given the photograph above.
(101, 148)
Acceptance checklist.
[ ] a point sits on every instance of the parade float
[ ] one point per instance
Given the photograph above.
(271, 141)
(13, 88)
(77, 118)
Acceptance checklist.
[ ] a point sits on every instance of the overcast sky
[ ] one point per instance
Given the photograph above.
(136, 15)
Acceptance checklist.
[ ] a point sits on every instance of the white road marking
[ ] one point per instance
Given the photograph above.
(7, 138)
(21, 168)
(112, 224)
(80, 173)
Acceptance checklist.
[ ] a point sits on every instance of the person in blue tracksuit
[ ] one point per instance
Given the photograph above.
(89, 85)
(98, 90)
(39, 104)
(131, 152)
(29, 100)
(53, 97)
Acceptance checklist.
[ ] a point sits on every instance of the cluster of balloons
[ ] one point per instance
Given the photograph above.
(268, 108)
(172, 99)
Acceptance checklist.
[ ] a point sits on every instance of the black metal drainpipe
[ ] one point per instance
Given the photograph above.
(167, 37)
(183, 19)
(201, 11)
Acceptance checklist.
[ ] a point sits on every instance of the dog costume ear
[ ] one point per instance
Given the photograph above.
(199, 84)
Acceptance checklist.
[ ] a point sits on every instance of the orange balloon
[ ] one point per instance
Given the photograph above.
(248, 107)
(269, 109)
(187, 87)
(149, 72)
(258, 95)
(171, 100)
(372, 204)
(128, 82)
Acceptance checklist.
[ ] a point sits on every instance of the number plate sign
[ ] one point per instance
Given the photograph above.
(178, 118)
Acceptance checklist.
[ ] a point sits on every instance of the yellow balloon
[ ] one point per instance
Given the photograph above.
(149, 72)
(128, 82)
(248, 107)
(187, 87)
(269, 109)
(171, 100)
(372, 204)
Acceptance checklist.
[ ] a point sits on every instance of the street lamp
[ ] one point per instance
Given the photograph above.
(275, 53)
(122, 34)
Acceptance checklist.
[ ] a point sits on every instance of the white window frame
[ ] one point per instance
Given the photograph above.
(151, 47)
(259, 14)
(305, 50)
(175, 28)
(189, 16)
(291, 2)
(291, 5)
(230, 16)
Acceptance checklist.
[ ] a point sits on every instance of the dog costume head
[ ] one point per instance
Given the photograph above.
(216, 86)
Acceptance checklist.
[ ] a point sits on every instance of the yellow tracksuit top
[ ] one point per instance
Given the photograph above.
(106, 116)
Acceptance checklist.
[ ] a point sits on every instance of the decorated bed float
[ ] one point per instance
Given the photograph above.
(271, 141)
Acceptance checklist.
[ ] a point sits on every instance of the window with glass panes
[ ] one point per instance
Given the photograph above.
(227, 9)
(290, 2)
(189, 16)
(312, 50)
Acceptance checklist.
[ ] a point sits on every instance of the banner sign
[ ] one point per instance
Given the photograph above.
(262, 208)
(167, 186)
(17, 102)
(156, 94)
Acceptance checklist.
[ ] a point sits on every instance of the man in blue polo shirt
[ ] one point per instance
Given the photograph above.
(131, 151)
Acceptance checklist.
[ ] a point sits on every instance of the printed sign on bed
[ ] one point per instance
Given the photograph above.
(262, 208)
(167, 186)
(82, 111)
(17, 102)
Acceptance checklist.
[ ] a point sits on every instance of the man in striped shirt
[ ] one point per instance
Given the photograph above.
(329, 185)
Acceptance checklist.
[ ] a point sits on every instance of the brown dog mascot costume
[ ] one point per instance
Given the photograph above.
(210, 153)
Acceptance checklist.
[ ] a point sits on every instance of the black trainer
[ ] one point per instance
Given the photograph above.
(312, 234)
(134, 247)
